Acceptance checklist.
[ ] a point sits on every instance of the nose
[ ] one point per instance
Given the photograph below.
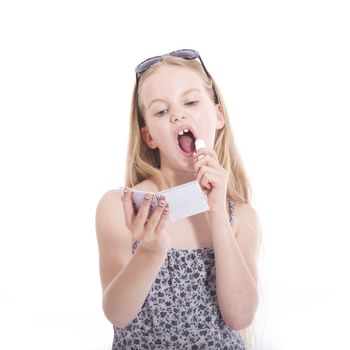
(176, 115)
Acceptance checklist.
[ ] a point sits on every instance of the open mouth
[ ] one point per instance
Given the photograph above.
(186, 142)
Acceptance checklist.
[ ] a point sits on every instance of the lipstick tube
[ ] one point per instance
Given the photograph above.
(199, 143)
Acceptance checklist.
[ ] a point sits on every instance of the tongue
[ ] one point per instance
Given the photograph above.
(186, 143)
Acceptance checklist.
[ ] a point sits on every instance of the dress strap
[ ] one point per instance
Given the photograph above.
(232, 208)
(136, 244)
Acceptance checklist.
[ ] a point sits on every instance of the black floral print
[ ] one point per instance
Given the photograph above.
(181, 310)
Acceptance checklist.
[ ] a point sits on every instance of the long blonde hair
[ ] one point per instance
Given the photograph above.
(143, 162)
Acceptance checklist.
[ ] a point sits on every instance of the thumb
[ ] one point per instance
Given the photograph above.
(205, 191)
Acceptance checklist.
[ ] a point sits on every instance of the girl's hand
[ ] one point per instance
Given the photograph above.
(150, 230)
(212, 178)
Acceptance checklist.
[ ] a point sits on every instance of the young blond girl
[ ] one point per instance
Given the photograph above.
(190, 283)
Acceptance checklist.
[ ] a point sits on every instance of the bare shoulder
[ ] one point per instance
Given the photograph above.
(113, 237)
(110, 201)
(247, 217)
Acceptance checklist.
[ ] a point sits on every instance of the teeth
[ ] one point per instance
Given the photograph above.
(181, 132)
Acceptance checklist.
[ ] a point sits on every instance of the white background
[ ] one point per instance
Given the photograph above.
(66, 76)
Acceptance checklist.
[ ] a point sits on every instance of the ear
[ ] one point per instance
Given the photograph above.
(147, 137)
(220, 121)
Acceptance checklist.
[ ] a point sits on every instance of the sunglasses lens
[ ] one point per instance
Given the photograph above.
(146, 64)
(185, 54)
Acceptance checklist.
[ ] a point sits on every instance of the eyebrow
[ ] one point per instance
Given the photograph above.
(184, 93)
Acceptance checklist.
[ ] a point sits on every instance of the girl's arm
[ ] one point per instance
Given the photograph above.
(125, 295)
(236, 265)
(126, 279)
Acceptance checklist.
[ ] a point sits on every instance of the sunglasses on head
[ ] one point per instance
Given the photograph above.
(186, 54)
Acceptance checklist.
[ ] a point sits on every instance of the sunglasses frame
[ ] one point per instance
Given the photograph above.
(195, 55)
(160, 57)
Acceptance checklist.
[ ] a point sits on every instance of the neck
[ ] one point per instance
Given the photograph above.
(179, 177)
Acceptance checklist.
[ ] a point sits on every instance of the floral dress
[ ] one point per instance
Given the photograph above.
(181, 310)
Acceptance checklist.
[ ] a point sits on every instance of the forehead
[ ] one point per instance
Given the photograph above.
(168, 81)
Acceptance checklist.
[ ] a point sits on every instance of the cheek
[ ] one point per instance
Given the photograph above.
(206, 122)
(163, 135)
(206, 112)
(159, 134)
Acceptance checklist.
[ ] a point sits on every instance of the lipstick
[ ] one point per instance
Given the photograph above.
(199, 143)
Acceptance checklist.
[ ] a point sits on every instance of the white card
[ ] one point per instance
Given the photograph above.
(183, 200)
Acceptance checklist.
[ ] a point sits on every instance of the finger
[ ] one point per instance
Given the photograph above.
(162, 221)
(207, 181)
(213, 154)
(212, 180)
(206, 191)
(204, 170)
(207, 176)
(205, 151)
(128, 207)
(206, 160)
(155, 217)
(143, 211)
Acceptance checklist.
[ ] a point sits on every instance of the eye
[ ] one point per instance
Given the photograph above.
(191, 102)
(161, 112)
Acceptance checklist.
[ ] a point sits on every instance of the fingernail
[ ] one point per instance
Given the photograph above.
(123, 192)
(122, 189)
